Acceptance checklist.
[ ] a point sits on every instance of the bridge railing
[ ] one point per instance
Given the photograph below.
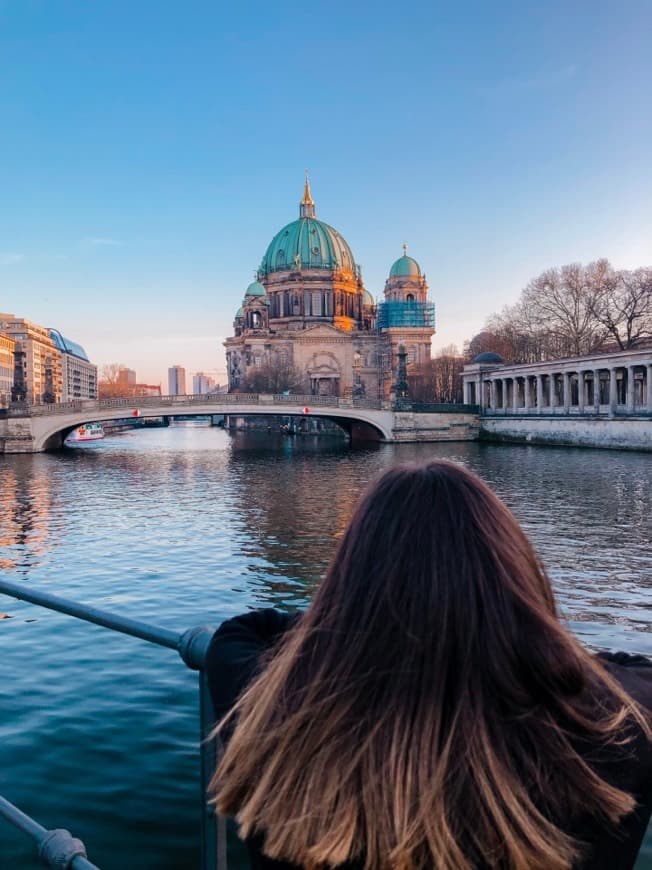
(219, 400)
(192, 646)
(24, 409)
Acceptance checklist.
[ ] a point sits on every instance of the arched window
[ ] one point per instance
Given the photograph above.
(410, 297)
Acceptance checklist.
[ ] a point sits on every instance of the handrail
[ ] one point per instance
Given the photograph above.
(57, 847)
(25, 409)
(219, 400)
(192, 646)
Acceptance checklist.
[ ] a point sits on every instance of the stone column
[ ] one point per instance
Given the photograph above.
(613, 394)
(596, 390)
(503, 402)
(630, 389)
(526, 393)
(540, 394)
(649, 387)
(465, 390)
(566, 390)
(580, 391)
(515, 404)
(552, 392)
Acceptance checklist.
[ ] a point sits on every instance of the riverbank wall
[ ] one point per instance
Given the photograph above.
(413, 426)
(626, 433)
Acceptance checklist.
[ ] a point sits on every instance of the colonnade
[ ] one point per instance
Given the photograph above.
(598, 389)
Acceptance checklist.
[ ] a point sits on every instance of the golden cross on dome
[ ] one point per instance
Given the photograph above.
(405, 249)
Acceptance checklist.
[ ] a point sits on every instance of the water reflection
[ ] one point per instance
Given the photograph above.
(26, 524)
(295, 497)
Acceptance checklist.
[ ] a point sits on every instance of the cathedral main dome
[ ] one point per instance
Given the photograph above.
(307, 243)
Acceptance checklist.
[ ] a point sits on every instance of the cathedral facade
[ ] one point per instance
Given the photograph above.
(308, 324)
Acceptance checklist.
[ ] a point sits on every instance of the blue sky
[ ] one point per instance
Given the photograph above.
(149, 150)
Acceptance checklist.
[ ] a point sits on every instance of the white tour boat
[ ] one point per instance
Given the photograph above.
(86, 432)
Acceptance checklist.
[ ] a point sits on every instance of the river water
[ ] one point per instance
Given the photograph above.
(188, 525)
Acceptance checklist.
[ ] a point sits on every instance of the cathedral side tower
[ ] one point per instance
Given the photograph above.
(407, 316)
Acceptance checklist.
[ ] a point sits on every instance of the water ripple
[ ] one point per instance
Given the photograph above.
(98, 732)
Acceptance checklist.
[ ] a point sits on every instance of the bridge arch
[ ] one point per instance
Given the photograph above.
(363, 423)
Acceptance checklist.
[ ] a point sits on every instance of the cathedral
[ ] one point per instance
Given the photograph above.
(308, 324)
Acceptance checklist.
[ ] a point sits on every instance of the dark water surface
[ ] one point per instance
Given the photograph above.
(184, 526)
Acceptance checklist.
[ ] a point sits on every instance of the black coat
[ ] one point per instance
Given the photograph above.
(236, 648)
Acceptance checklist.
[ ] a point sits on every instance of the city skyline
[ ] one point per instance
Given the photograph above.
(148, 161)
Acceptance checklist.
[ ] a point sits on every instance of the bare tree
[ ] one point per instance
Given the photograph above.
(421, 383)
(571, 311)
(560, 303)
(448, 365)
(109, 385)
(489, 340)
(274, 377)
(622, 303)
(439, 380)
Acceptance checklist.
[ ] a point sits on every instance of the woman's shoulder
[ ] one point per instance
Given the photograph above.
(633, 672)
(236, 650)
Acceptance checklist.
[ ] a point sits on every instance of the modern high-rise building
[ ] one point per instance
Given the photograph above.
(7, 345)
(38, 364)
(176, 381)
(202, 383)
(79, 373)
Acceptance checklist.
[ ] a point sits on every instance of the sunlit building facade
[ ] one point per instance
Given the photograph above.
(79, 373)
(127, 378)
(7, 345)
(309, 314)
(38, 369)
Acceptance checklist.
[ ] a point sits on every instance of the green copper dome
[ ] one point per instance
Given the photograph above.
(239, 313)
(307, 243)
(255, 289)
(405, 267)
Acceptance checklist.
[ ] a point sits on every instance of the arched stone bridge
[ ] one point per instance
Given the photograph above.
(34, 428)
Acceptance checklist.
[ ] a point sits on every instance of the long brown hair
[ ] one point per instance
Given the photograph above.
(429, 708)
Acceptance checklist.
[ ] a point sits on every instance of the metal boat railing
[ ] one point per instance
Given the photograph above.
(65, 851)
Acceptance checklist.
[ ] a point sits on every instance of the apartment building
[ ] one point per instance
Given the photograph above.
(7, 345)
(38, 364)
(79, 373)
